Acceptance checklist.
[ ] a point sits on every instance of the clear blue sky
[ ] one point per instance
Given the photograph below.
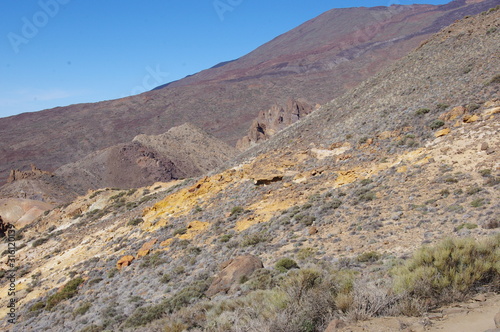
(62, 52)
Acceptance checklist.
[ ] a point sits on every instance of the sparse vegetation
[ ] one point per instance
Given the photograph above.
(450, 270)
(68, 291)
(285, 264)
(436, 124)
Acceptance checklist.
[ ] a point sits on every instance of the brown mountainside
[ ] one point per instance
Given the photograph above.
(317, 61)
(182, 152)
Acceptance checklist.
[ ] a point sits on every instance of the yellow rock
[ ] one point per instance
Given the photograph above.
(442, 132)
(194, 228)
(453, 114)
(402, 169)
(124, 261)
(491, 111)
(470, 118)
(142, 253)
(167, 242)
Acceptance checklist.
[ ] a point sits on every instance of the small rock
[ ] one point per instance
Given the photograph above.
(313, 230)
(484, 146)
(435, 315)
(497, 320)
(335, 325)
(470, 118)
(442, 132)
(479, 298)
(124, 261)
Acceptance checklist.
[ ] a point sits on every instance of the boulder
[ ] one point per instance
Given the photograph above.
(231, 273)
(442, 132)
(497, 320)
(453, 114)
(146, 248)
(124, 261)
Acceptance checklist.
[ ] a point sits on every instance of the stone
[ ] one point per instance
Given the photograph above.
(453, 114)
(497, 320)
(335, 325)
(491, 224)
(442, 132)
(470, 118)
(267, 179)
(124, 261)
(484, 146)
(313, 230)
(4, 227)
(480, 298)
(273, 120)
(231, 272)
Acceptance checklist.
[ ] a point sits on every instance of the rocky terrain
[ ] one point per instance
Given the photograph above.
(379, 210)
(182, 152)
(319, 60)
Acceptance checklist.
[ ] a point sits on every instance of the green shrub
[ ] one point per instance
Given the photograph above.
(466, 225)
(477, 202)
(285, 264)
(436, 124)
(442, 107)
(225, 238)
(450, 269)
(39, 242)
(68, 291)
(112, 272)
(82, 309)
(180, 231)
(135, 222)
(253, 239)
(236, 211)
(37, 306)
(371, 257)
(422, 111)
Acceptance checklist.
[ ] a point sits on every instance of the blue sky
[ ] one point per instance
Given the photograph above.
(62, 52)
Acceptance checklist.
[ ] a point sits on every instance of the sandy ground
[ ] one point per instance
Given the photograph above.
(476, 315)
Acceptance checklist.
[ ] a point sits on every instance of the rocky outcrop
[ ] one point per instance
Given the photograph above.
(4, 227)
(124, 261)
(273, 120)
(35, 173)
(231, 273)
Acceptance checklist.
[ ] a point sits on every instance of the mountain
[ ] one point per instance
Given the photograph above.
(181, 152)
(317, 61)
(382, 203)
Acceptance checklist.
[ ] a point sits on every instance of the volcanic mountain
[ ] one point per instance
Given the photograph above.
(318, 60)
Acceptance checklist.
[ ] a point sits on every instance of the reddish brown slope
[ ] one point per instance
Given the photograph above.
(318, 61)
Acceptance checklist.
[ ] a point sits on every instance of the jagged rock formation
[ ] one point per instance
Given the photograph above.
(33, 174)
(273, 120)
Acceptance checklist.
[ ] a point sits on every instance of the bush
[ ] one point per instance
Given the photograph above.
(82, 309)
(135, 222)
(236, 211)
(39, 242)
(180, 231)
(285, 264)
(371, 257)
(68, 291)
(436, 124)
(450, 270)
(422, 111)
(253, 239)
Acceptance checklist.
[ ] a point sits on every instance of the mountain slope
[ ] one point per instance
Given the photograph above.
(317, 61)
(181, 152)
(347, 194)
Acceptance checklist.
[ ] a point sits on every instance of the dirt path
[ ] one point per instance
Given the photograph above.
(476, 315)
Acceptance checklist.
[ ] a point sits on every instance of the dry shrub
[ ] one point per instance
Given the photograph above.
(451, 270)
